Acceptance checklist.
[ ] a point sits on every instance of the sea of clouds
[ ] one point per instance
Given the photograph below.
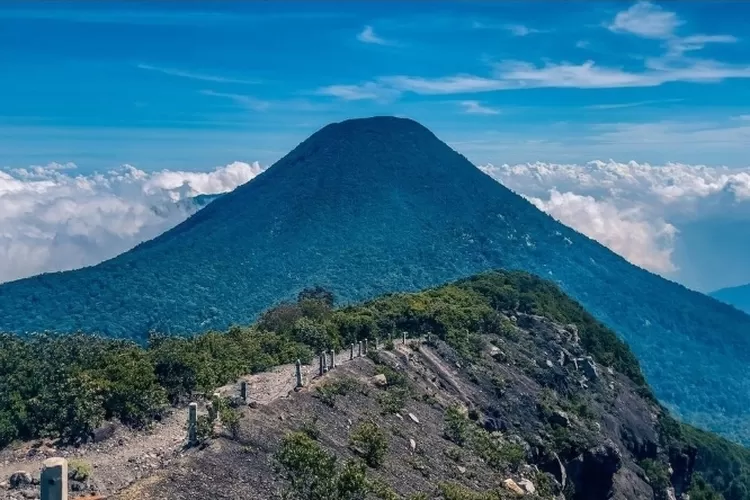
(636, 209)
(54, 218)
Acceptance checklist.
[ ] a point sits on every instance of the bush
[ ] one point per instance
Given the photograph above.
(456, 425)
(79, 470)
(313, 474)
(370, 442)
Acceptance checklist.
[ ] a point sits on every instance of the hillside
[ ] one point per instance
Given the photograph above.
(377, 205)
(486, 396)
(738, 296)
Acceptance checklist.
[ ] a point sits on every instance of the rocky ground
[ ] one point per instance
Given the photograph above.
(583, 430)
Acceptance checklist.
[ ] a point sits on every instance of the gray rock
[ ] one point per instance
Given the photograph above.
(20, 479)
(559, 417)
(527, 486)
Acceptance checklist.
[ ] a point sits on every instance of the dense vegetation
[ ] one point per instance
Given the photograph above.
(373, 206)
(66, 386)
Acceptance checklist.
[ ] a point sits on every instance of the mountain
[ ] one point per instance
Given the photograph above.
(738, 296)
(376, 205)
(502, 394)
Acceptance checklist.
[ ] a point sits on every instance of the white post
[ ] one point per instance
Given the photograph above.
(192, 423)
(298, 373)
(54, 479)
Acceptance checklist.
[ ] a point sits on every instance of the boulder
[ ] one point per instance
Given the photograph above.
(380, 380)
(559, 417)
(589, 368)
(495, 425)
(593, 471)
(527, 486)
(511, 485)
(20, 480)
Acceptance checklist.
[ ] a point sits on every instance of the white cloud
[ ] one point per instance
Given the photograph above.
(583, 44)
(476, 108)
(367, 35)
(643, 241)
(636, 209)
(196, 76)
(53, 218)
(643, 19)
(646, 20)
(366, 91)
(521, 30)
(244, 100)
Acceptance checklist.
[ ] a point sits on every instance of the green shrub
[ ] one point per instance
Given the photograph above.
(79, 470)
(456, 425)
(369, 441)
(314, 474)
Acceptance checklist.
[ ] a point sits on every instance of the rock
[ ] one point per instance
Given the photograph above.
(610, 370)
(398, 415)
(412, 444)
(670, 494)
(495, 425)
(413, 418)
(527, 486)
(593, 471)
(550, 364)
(589, 368)
(559, 417)
(461, 469)
(20, 479)
(4, 485)
(511, 485)
(103, 433)
(380, 380)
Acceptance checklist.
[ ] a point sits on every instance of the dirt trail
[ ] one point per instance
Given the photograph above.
(129, 456)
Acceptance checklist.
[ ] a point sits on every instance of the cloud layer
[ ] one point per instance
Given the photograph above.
(635, 209)
(53, 218)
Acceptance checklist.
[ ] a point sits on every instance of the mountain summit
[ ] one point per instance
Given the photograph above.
(377, 205)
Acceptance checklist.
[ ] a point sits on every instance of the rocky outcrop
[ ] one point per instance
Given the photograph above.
(593, 471)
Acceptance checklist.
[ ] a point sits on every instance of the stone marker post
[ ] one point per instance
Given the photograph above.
(216, 400)
(364, 347)
(403, 338)
(333, 360)
(298, 374)
(322, 363)
(54, 479)
(192, 423)
(359, 349)
(243, 391)
(211, 411)
(377, 344)
(351, 352)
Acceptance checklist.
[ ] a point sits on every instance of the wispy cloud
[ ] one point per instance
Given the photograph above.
(245, 100)
(583, 44)
(630, 104)
(642, 19)
(366, 91)
(368, 35)
(521, 30)
(678, 46)
(476, 108)
(646, 20)
(197, 76)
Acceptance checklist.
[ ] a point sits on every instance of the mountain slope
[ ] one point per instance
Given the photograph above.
(738, 296)
(499, 390)
(378, 205)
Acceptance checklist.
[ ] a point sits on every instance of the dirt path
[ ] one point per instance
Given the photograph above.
(129, 456)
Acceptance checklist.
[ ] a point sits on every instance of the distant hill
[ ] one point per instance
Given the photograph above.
(738, 296)
(376, 205)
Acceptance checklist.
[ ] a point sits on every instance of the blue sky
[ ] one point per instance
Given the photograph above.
(191, 85)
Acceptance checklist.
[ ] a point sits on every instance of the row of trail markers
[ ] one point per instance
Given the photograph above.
(326, 364)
